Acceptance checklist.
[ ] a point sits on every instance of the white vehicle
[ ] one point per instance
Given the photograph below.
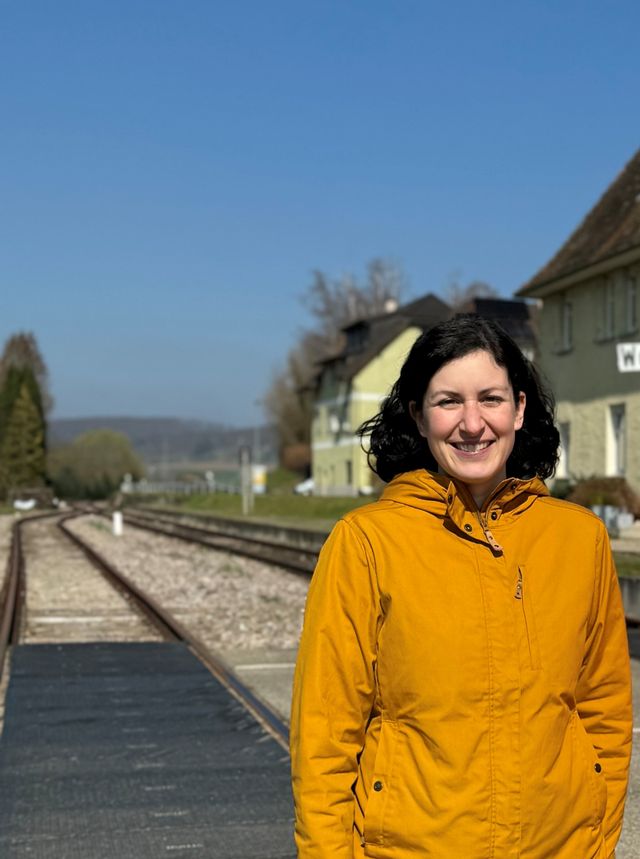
(26, 504)
(304, 488)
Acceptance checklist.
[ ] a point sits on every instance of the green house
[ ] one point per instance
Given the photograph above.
(590, 335)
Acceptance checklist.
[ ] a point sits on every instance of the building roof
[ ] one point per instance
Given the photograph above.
(379, 331)
(425, 312)
(611, 228)
(514, 315)
(366, 338)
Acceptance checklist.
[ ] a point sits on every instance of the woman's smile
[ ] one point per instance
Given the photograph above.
(471, 449)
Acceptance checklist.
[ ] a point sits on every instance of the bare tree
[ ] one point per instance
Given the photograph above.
(332, 303)
(459, 296)
(336, 302)
(386, 285)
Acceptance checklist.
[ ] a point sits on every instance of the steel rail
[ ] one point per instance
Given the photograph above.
(261, 711)
(310, 539)
(10, 620)
(218, 531)
(13, 590)
(293, 558)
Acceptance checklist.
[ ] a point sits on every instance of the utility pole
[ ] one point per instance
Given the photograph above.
(165, 459)
(246, 486)
(257, 446)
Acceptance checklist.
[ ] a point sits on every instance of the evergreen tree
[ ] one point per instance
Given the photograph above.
(24, 402)
(21, 352)
(14, 380)
(22, 455)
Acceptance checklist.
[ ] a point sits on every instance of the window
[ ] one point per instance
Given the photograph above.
(609, 308)
(566, 325)
(565, 440)
(349, 472)
(631, 321)
(357, 336)
(617, 440)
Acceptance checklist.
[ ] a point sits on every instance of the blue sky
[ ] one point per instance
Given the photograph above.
(172, 172)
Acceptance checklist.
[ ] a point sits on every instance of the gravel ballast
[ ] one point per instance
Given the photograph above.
(227, 601)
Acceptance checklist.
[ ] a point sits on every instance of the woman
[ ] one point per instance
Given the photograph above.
(462, 687)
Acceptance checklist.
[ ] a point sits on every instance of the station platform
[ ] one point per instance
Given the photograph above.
(134, 751)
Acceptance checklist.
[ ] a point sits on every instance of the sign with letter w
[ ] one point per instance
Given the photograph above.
(628, 357)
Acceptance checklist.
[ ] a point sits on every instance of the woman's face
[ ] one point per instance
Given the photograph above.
(469, 419)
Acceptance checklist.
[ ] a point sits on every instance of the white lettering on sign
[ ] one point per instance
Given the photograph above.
(628, 357)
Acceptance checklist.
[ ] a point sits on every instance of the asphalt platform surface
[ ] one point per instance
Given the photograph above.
(134, 751)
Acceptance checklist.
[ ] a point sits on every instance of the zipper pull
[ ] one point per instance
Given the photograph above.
(518, 593)
(491, 540)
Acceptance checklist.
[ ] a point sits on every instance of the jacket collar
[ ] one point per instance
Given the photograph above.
(441, 496)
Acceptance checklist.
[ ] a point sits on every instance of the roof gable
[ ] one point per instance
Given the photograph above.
(610, 228)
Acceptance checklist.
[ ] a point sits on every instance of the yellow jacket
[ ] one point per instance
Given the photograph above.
(462, 688)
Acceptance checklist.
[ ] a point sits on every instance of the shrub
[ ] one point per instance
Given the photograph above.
(562, 487)
(606, 490)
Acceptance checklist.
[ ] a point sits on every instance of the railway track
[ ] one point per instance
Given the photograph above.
(176, 622)
(164, 623)
(13, 590)
(298, 559)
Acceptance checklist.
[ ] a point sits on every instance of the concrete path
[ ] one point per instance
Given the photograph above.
(629, 847)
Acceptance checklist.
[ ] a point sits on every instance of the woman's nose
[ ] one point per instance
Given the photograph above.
(472, 421)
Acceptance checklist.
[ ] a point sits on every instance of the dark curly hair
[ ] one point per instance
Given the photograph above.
(396, 446)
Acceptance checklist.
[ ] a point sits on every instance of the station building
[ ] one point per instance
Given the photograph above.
(590, 335)
(352, 383)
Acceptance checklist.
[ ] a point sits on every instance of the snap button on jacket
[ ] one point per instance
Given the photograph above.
(462, 691)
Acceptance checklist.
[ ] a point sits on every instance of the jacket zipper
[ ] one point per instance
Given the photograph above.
(518, 593)
(529, 626)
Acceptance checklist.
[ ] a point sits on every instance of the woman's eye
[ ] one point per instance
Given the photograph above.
(493, 401)
(447, 402)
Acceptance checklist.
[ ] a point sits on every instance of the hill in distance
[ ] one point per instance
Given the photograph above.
(168, 440)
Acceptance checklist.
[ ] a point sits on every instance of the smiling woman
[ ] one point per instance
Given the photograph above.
(469, 417)
(462, 686)
(397, 433)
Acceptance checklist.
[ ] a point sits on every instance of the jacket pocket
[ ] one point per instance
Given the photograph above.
(594, 771)
(380, 788)
(522, 594)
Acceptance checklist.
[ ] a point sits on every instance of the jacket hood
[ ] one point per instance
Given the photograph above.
(441, 496)
(428, 491)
